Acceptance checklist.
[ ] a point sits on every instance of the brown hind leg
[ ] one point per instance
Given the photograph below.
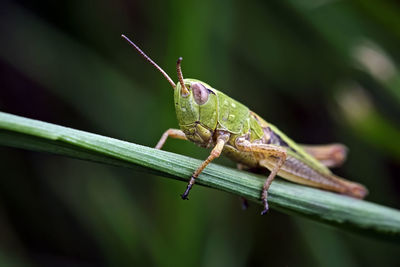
(331, 155)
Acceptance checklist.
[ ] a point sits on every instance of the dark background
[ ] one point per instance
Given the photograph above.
(322, 70)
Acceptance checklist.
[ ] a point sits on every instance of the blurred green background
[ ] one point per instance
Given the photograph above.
(322, 70)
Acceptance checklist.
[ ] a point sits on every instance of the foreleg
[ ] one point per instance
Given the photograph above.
(174, 133)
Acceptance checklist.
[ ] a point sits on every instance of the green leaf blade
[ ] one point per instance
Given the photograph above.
(326, 207)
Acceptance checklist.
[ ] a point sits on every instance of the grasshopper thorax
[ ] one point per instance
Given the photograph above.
(196, 108)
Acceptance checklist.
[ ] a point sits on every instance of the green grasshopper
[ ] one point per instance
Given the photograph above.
(211, 119)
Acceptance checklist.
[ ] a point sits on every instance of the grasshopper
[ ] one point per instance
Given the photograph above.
(211, 119)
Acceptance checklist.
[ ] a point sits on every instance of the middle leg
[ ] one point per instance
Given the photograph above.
(264, 151)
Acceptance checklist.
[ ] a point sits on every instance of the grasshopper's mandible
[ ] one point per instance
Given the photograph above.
(211, 119)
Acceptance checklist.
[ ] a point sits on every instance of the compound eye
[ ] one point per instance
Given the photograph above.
(200, 93)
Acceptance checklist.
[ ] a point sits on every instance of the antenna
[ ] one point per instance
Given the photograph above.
(185, 91)
(151, 61)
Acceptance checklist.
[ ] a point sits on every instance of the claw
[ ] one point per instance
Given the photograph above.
(265, 207)
(185, 195)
